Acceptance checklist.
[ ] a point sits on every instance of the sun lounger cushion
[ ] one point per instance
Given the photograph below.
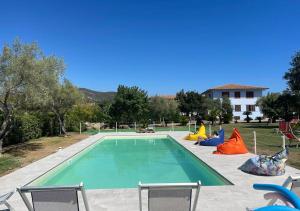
(214, 141)
(266, 165)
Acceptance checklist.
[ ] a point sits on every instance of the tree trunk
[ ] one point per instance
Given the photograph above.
(5, 128)
(61, 121)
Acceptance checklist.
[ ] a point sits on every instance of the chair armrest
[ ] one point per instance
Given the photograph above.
(289, 195)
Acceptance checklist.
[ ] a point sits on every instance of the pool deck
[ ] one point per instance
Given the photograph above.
(239, 196)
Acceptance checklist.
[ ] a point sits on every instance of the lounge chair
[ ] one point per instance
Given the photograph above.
(4, 198)
(170, 196)
(293, 184)
(290, 196)
(53, 198)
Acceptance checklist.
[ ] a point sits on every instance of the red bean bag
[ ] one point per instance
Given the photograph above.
(234, 145)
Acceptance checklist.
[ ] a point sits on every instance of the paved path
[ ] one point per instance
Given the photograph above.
(236, 197)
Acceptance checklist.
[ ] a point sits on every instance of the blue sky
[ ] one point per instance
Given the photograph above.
(161, 46)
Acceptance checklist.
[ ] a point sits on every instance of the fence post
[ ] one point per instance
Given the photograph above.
(283, 142)
(209, 129)
(220, 127)
(153, 126)
(116, 127)
(195, 127)
(172, 126)
(99, 126)
(79, 127)
(254, 139)
(189, 126)
(134, 126)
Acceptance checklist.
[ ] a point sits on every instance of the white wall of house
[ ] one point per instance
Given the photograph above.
(243, 101)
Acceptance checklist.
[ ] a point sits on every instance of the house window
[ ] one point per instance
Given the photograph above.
(225, 94)
(250, 108)
(236, 117)
(249, 94)
(237, 108)
(237, 94)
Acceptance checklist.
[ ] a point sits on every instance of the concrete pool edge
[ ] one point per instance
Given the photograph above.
(241, 193)
(61, 167)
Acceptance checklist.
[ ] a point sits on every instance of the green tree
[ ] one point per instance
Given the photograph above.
(163, 110)
(62, 97)
(131, 104)
(293, 74)
(227, 111)
(247, 113)
(190, 102)
(287, 104)
(213, 108)
(24, 72)
(268, 106)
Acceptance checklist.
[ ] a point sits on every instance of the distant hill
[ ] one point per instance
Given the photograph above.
(98, 96)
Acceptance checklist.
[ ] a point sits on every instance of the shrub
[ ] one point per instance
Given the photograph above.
(248, 119)
(25, 127)
(183, 120)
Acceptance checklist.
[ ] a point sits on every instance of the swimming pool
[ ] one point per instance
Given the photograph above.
(121, 162)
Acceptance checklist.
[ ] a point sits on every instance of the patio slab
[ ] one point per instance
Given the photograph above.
(239, 196)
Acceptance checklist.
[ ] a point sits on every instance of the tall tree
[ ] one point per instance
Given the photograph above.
(213, 108)
(293, 74)
(190, 102)
(24, 70)
(268, 106)
(227, 111)
(131, 104)
(63, 96)
(162, 109)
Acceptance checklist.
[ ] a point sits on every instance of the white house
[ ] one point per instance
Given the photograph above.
(243, 98)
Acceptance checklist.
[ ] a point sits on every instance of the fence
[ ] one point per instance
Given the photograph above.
(251, 136)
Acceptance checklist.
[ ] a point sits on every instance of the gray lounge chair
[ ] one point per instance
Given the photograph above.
(170, 196)
(53, 198)
(4, 198)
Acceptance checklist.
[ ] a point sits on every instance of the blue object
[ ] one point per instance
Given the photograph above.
(214, 141)
(289, 195)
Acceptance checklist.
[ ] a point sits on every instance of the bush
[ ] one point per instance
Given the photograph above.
(249, 119)
(183, 120)
(25, 127)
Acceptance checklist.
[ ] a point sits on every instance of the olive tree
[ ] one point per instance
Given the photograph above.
(62, 97)
(24, 74)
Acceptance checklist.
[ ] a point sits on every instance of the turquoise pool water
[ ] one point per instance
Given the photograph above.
(123, 162)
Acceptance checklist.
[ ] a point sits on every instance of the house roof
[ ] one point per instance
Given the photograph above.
(237, 86)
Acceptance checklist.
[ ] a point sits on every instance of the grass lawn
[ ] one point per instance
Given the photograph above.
(267, 140)
(21, 155)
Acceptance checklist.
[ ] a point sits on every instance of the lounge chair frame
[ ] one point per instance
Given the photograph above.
(29, 189)
(170, 186)
(4, 198)
(289, 181)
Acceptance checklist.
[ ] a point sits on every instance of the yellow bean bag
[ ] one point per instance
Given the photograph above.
(200, 133)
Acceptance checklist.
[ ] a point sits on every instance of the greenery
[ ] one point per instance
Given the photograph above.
(25, 74)
(190, 103)
(268, 106)
(131, 104)
(163, 110)
(248, 118)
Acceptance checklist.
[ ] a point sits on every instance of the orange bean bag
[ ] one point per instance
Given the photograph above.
(234, 145)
